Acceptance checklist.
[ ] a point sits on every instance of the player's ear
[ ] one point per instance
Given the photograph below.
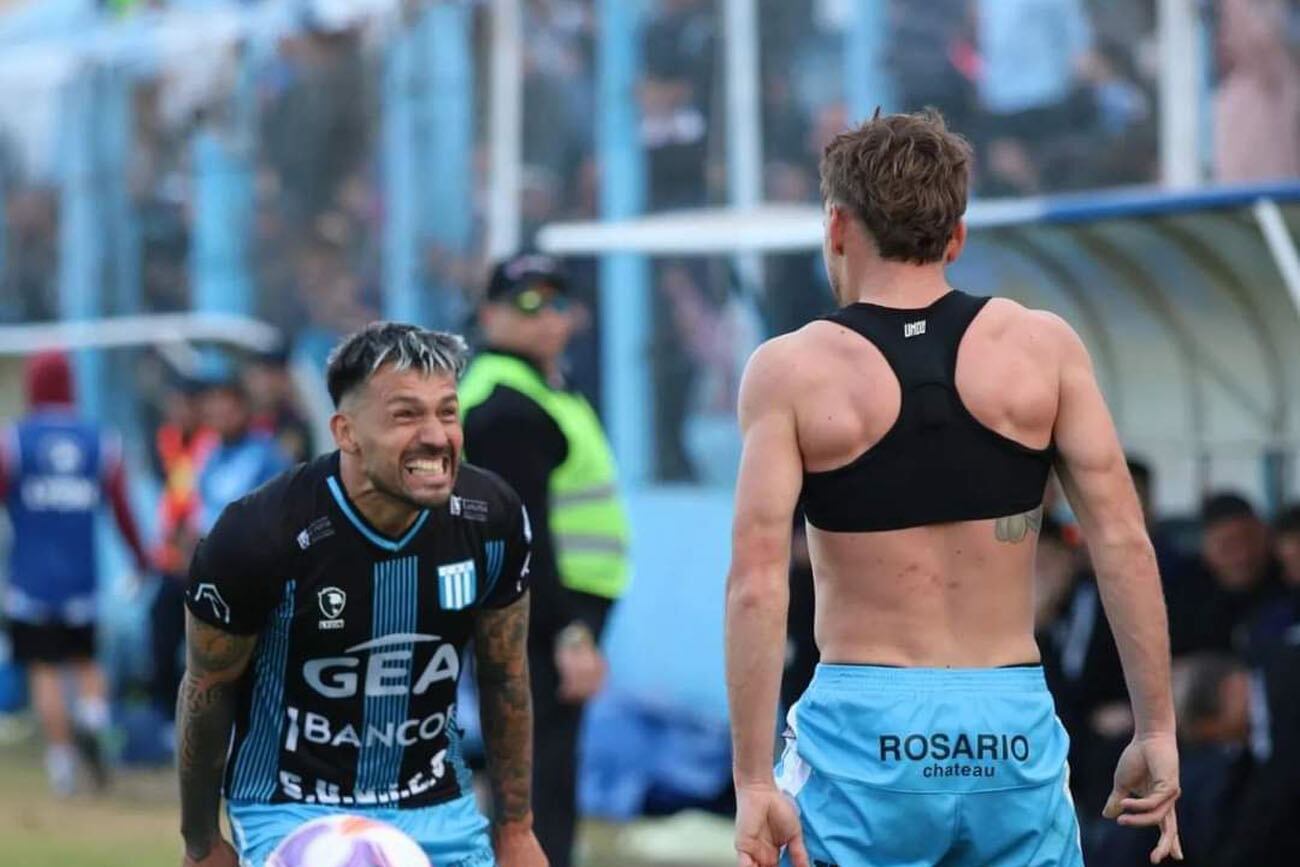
(955, 244)
(838, 229)
(344, 434)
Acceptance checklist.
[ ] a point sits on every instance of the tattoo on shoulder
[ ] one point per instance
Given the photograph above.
(1014, 528)
(213, 651)
(502, 633)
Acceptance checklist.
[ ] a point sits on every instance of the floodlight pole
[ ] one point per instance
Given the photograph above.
(81, 243)
(627, 390)
(744, 122)
(506, 126)
(1182, 92)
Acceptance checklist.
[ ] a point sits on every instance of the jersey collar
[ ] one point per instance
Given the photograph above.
(363, 526)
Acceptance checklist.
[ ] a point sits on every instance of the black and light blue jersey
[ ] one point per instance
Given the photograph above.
(350, 699)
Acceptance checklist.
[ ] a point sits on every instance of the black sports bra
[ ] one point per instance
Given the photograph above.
(937, 464)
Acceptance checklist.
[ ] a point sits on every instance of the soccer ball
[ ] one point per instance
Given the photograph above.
(347, 841)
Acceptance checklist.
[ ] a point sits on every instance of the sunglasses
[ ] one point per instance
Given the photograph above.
(531, 302)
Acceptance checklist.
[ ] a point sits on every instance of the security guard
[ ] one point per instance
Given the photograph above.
(548, 444)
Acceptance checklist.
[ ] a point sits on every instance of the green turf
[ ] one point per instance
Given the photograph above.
(135, 825)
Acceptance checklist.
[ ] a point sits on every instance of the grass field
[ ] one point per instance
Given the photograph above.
(135, 825)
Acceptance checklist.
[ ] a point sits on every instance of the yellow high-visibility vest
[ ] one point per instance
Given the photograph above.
(589, 521)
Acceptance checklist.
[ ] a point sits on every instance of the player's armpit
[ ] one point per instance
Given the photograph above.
(205, 711)
(506, 707)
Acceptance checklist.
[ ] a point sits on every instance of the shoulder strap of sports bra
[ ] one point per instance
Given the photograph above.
(920, 345)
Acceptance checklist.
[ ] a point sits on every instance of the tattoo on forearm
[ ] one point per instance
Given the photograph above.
(205, 711)
(506, 707)
(1014, 528)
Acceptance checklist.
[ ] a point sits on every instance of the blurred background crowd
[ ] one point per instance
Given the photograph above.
(1232, 585)
(311, 177)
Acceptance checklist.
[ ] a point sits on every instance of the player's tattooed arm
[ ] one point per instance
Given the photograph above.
(506, 707)
(205, 710)
(1015, 528)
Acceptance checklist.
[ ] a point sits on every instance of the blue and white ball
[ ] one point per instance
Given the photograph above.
(347, 841)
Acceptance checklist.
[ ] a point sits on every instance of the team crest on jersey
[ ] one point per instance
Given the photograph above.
(457, 585)
(332, 600)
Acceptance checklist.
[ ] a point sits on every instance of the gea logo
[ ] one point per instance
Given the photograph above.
(387, 672)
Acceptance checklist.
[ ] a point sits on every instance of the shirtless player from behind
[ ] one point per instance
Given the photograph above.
(920, 425)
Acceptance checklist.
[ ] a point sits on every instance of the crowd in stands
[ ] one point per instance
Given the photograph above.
(1055, 95)
(1233, 594)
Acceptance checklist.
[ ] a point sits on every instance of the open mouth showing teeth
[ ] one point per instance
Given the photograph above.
(429, 469)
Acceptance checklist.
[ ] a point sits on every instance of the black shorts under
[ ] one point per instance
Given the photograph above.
(51, 642)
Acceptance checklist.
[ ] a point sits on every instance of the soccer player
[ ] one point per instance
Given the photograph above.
(327, 613)
(56, 471)
(920, 424)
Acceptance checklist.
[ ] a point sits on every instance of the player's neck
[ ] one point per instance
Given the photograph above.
(388, 515)
(896, 284)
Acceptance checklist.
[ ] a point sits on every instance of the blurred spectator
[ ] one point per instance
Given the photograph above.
(31, 255)
(56, 471)
(242, 460)
(1213, 609)
(316, 118)
(1212, 706)
(1257, 105)
(1286, 544)
(1082, 666)
(680, 45)
(926, 54)
(181, 446)
(1267, 831)
(273, 401)
(331, 294)
(1123, 149)
(1034, 55)
(1271, 624)
(559, 92)
(1173, 564)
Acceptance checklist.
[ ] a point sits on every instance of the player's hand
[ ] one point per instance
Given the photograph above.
(1146, 787)
(222, 854)
(516, 846)
(767, 821)
(580, 664)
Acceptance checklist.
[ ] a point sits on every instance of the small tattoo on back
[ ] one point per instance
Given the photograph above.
(1014, 528)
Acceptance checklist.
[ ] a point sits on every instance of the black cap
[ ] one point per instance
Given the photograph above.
(522, 271)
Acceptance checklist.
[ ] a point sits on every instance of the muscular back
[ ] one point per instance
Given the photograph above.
(956, 594)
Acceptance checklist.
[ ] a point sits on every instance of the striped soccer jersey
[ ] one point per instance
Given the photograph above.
(350, 696)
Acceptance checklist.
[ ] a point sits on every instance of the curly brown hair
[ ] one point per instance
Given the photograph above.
(905, 176)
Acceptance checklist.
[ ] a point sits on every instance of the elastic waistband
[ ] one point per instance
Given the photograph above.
(1021, 678)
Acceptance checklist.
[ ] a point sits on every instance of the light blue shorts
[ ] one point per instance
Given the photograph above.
(912, 767)
(454, 834)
